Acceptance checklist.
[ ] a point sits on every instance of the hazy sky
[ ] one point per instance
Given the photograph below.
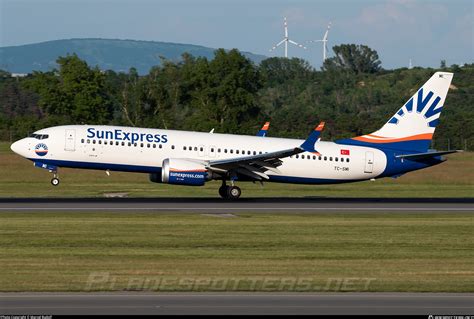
(425, 31)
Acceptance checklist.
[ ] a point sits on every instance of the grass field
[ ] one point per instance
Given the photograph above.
(322, 252)
(18, 178)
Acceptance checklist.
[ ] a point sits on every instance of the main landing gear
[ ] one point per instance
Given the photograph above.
(229, 192)
(55, 179)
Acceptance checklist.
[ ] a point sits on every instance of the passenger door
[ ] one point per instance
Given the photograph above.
(369, 162)
(70, 144)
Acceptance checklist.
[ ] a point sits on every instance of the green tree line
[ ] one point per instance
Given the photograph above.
(229, 93)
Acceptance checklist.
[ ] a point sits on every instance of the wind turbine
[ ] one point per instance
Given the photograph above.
(324, 40)
(286, 40)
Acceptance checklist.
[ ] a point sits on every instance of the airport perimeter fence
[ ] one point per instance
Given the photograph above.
(458, 143)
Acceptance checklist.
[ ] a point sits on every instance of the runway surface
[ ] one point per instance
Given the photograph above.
(237, 303)
(256, 205)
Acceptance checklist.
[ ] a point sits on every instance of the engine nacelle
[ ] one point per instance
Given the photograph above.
(155, 178)
(184, 172)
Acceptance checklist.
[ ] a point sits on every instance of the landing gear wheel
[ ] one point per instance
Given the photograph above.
(55, 181)
(233, 192)
(223, 191)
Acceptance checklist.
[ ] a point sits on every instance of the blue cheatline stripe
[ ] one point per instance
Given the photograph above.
(308, 180)
(99, 166)
(416, 146)
(152, 169)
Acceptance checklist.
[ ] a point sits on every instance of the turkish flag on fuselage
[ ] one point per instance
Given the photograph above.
(345, 152)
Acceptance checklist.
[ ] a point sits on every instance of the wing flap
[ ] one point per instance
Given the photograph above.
(252, 173)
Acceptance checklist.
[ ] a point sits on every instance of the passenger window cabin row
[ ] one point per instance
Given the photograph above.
(325, 158)
(212, 149)
(223, 150)
(117, 143)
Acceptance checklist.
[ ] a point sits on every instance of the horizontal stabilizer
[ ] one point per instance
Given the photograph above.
(425, 155)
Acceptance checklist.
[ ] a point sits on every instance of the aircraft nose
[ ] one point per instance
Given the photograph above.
(16, 147)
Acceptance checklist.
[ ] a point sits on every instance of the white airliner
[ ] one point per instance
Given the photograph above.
(193, 158)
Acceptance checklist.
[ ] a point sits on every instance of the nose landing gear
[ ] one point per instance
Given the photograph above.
(52, 169)
(55, 179)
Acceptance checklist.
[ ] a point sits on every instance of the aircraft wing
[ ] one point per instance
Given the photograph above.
(255, 166)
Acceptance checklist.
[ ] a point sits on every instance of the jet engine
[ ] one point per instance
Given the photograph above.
(184, 172)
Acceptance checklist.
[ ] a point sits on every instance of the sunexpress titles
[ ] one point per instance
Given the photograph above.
(120, 135)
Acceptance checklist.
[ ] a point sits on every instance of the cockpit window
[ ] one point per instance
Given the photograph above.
(39, 136)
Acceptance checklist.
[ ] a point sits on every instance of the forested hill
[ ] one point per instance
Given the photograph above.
(107, 54)
(231, 94)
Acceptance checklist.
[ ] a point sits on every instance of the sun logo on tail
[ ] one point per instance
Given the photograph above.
(420, 105)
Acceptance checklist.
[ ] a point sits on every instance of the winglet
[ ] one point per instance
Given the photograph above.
(264, 129)
(308, 145)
